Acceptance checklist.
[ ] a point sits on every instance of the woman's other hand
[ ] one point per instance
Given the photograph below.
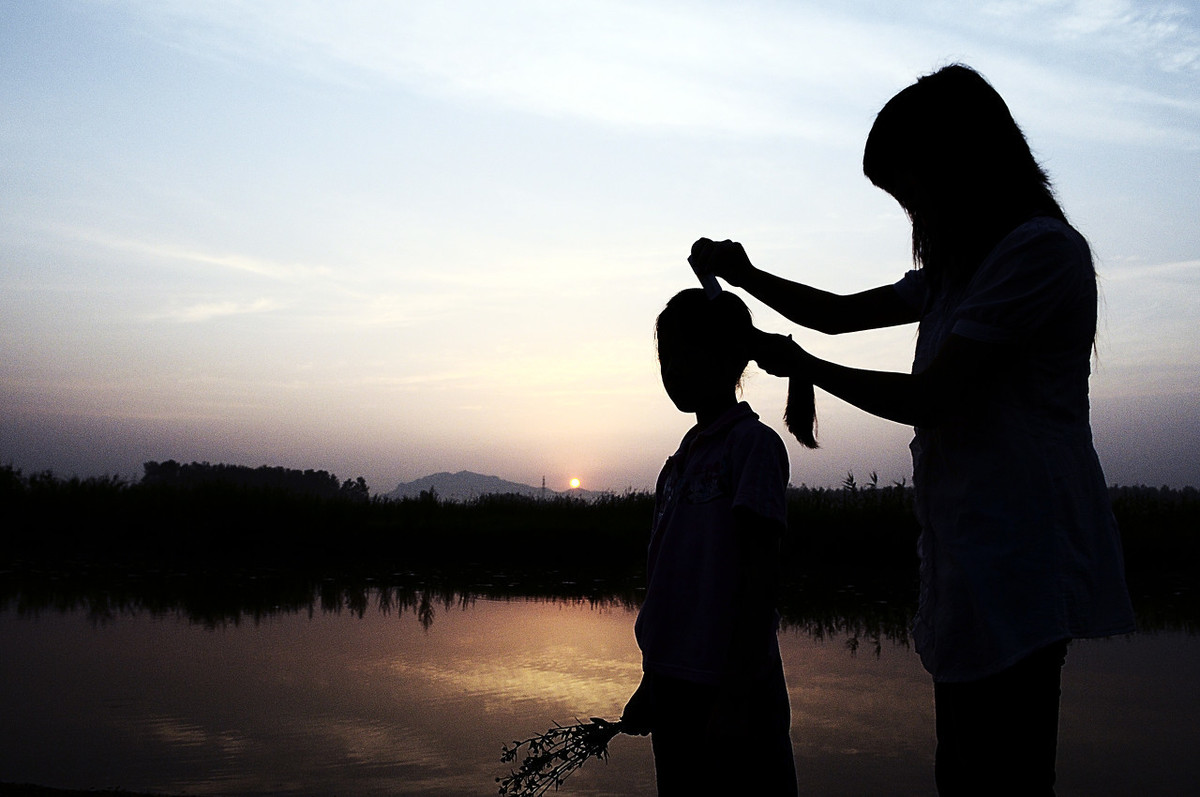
(778, 355)
(726, 259)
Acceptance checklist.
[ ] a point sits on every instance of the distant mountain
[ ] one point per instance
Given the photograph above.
(465, 485)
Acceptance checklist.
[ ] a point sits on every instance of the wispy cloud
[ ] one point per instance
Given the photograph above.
(1178, 271)
(232, 261)
(757, 69)
(627, 64)
(1165, 34)
(208, 311)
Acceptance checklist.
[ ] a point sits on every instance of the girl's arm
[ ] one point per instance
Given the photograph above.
(826, 312)
(959, 378)
(638, 717)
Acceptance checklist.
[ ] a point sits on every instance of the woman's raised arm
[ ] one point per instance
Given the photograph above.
(810, 307)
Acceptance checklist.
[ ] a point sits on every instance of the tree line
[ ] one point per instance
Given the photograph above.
(227, 518)
(316, 483)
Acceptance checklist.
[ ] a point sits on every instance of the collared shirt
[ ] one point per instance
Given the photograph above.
(687, 620)
(1019, 547)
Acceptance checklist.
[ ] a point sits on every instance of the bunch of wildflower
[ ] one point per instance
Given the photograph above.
(552, 756)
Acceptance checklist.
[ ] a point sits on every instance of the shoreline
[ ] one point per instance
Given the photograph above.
(33, 790)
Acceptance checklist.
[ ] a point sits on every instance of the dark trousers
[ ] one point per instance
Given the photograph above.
(999, 735)
(695, 757)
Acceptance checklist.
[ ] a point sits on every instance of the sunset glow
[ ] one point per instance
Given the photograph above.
(574, 484)
(337, 236)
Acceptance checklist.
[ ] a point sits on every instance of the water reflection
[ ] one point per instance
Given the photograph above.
(869, 608)
(816, 607)
(215, 602)
(299, 704)
(293, 687)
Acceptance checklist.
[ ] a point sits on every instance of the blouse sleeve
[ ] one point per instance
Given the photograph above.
(913, 289)
(1036, 275)
(761, 473)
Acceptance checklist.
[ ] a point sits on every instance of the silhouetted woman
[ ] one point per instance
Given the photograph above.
(1019, 550)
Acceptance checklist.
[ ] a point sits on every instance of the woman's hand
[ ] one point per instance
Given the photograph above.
(726, 259)
(638, 717)
(778, 355)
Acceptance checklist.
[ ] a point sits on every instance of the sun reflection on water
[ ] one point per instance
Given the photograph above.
(379, 703)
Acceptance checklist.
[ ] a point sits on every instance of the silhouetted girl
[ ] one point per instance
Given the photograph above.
(713, 695)
(1019, 550)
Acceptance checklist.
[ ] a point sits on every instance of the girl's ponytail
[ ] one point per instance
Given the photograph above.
(800, 415)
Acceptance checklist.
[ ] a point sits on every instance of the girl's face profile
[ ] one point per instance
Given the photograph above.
(692, 377)
(700, 365)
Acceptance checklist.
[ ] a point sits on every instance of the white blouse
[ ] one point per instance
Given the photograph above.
(1019, 547)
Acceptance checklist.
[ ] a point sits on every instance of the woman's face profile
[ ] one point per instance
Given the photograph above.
(912, 191)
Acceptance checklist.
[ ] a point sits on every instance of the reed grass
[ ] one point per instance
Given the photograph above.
(850, 551)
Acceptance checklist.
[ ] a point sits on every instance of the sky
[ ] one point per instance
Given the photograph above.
(392, 239)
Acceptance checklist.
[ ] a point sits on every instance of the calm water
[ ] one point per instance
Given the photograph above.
(404, 702)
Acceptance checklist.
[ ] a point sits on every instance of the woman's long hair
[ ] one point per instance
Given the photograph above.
(722, 326)
(949, 151)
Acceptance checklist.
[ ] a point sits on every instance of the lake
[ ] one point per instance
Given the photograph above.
(379, 696)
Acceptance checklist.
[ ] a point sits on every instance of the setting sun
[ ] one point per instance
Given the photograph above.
(574, 484)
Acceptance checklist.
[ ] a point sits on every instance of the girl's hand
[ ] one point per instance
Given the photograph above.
(638, 717)
(726, 259)
(778, 355)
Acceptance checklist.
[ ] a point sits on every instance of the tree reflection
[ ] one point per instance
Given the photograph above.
(864, 608)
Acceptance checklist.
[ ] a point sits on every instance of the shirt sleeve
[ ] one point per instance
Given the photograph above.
(1032, 276)
(760, 473)
(913, 289)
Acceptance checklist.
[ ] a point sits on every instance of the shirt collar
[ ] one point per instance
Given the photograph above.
(725, 421)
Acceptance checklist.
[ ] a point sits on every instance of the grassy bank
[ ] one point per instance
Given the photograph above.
(220, 551)
(231, 527)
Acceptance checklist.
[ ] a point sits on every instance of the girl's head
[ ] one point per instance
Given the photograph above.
(949, 151)
(703, 348)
